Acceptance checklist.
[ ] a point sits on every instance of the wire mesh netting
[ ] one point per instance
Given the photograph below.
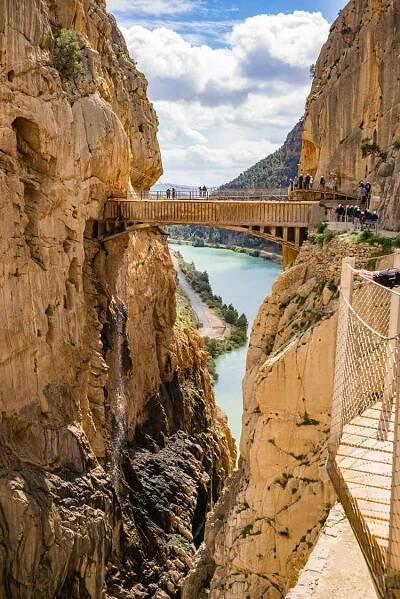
(363, 462)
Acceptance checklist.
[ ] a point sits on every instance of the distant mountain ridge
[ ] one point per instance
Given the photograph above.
(275, 170)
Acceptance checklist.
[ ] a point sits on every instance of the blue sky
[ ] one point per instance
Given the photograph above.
(228, 79)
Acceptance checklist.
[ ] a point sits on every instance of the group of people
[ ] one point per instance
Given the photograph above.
(306, 183)
(171, 193)
(354, 214)
(301, 182)
(203, 192)
(365, 192)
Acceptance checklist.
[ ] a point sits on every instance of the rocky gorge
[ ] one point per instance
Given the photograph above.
(112, 448)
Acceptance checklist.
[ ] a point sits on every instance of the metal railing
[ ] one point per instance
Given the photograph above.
(217, 194)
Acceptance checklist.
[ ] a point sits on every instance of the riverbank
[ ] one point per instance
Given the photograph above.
(254, 253)
(243, 281)
(209, 324)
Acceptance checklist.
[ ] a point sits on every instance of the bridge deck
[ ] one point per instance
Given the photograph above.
(212, 212)
(366, 462)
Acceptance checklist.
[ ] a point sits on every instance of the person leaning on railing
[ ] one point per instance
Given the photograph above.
(387, 278)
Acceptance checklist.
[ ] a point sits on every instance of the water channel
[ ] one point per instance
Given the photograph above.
(243, 281)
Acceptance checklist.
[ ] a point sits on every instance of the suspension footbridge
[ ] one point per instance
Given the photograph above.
(364, 444)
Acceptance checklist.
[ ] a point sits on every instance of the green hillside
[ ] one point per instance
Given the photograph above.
(275, 170)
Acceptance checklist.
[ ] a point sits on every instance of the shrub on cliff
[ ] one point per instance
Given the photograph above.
(67, 55)
(370, 149)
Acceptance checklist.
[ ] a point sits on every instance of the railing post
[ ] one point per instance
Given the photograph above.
(393, 580)
(343, 330)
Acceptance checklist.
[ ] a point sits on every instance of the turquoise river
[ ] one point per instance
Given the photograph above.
(244, 282)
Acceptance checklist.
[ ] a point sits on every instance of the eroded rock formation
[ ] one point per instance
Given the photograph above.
(111, 446)
(352, 123)
(263, 529)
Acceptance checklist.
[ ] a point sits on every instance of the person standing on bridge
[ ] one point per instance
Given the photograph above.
(173, 193)
(307, 181)
(368, 191)
(291, 185)
(296, 182)
(200, 191)
(301, 182)
(205, 192)
(322, 183)
(168, 193)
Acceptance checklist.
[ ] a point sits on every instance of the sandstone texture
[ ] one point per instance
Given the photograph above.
(261, 533)
(354, 105)
(336, 568)
(111, 447)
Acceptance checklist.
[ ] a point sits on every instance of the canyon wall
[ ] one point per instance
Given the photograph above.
(112, 448)
(262, 531)
(352, 122)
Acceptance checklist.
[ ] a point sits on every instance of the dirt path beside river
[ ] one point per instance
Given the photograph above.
(212, 325)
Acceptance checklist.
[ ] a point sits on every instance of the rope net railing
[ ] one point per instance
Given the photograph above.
(364, 456)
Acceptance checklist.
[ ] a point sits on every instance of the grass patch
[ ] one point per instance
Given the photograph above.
(321, 228)
(322, 238)
(386, 244)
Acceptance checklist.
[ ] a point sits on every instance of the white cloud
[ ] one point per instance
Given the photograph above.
(151, 7)
(225, 108)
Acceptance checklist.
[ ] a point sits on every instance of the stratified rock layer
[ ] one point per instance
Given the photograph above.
(352, 123)
(110, 443)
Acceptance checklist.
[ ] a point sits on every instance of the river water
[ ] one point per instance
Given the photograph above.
(243, 281)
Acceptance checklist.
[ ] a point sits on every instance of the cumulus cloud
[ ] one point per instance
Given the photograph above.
(226, 107)
(151, 7)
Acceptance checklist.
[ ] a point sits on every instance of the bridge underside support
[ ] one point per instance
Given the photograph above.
(289, 237)
(289, 255)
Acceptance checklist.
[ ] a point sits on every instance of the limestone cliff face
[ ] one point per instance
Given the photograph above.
(268, 520)
(354, 105)
(110, 443)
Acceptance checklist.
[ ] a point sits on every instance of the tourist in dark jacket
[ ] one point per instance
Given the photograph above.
(387, 278)
(301, 182)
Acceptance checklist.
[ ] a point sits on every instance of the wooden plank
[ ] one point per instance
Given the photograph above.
(376, 414)
(375, 480)
(378, 528)
(375, 494)
(368, 454)
(365, 466)
(364, 432)
(372, 423)
(374, 509)
(349, 440)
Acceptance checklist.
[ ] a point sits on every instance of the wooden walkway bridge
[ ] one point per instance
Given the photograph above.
(284, 222)
(364, 444)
